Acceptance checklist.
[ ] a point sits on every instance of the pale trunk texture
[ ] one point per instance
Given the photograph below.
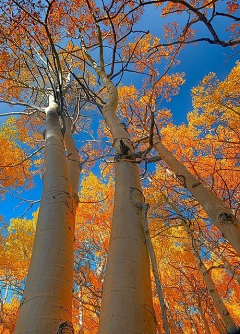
(80, 311)
(217, 300)
(218, 323)
(126, 302)
(73, 164)
(229, 323)
(227, 265)
(46, 306)
(207, 329)
(155, 270)
(221, 216)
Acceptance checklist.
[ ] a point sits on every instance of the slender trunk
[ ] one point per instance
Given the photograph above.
(2, 302)
(191, 320)
(5, 294)
(46, 306)
(221, 216)
(127, 301)
(228, 321)
(218, 324)
(207, 329)
(73, 163)
(155, 269)
(227, 265)
(80, 311)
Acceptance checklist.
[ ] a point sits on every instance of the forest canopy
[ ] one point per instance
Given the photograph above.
(119, 166)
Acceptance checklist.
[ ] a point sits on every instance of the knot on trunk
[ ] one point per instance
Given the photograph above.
(125, 152)
(76, 198)
(65, 328)
(226, 218)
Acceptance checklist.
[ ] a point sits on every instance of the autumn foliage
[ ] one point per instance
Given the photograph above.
(74, 51)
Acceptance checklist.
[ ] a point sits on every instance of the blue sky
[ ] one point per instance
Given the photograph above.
(196, 61)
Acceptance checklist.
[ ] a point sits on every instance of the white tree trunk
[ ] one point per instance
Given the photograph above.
(126, 302)
(46, 306)
(221, 216)
(145, 207)
(217, 300)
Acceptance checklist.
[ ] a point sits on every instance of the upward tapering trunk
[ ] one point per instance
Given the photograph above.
(155, 271)
(126, 301)
(227, 265)
(73, 163)
(46, 306)
(217, 300)
(206, 325)
(221, 216)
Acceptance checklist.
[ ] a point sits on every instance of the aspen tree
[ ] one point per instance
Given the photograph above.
(145, 207)
(46, 305)
(227, 319)
(221, 216)
(218, 253)
(127, 298)
(127, 304)
(207, 329)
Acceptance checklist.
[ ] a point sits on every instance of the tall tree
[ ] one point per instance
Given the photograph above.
(55, 53)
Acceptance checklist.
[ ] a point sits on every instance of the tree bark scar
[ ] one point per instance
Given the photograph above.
(182, 179)
(124, 148)
(125, 152)
(196, 184)
(76, 198)
(65, 328)
(226, 218)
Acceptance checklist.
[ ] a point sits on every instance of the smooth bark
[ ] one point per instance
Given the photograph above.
(74, 165)
(156, 275)
(226, 264)
(218, 324)
(228, 321)
(229, 267)
(207, 329)
(126, 302)
(46, 306)
(221, 216)
(217, 300)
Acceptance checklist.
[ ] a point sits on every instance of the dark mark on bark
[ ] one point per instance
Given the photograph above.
(22, 301)
(226, 218)
(182, 179)
(125, 152)
(196, 184)
(65, 328)
(76, 198)
(61, 193)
